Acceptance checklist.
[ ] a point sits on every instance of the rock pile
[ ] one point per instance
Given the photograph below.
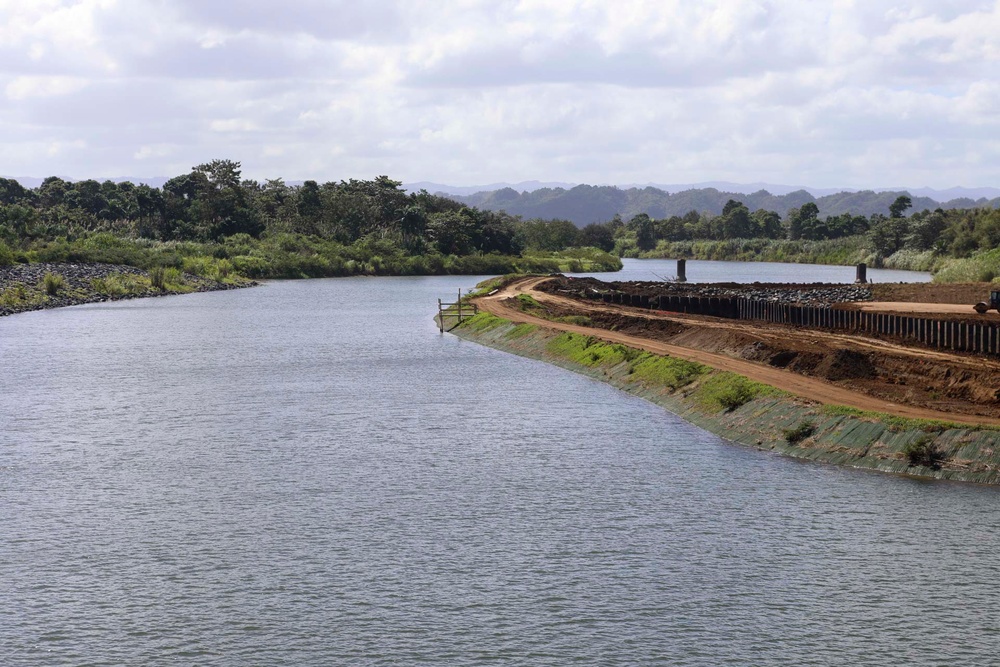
(815, 294)
(78, 287)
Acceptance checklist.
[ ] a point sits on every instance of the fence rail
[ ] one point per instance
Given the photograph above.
(457, 310)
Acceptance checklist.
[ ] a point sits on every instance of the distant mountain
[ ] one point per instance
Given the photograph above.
(940, 196)
(741, 188)
(523, 186)
(584, 204)
(953, 193)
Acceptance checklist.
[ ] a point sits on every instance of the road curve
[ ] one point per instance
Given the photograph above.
(798, 385)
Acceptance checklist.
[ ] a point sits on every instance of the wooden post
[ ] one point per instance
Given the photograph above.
(440, 316)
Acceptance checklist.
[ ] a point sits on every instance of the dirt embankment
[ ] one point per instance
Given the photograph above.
(782, 424)
(826, 366)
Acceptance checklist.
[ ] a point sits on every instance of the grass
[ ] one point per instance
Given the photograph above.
(983, 267)
(15, 295)
(844, 251)
(521, 330)
(482, 322)
(526, 303)
(589, 351)
(52, 283)
(728, 391)
(898, 424)
(121, 284)
(668, 372)
(156, 277)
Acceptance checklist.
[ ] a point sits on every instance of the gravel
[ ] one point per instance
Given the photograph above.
(814, 294)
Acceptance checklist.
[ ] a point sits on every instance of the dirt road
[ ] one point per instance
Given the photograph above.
(931, 308)
(807, 387)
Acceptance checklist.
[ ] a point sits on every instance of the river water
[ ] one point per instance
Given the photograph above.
(308, 473)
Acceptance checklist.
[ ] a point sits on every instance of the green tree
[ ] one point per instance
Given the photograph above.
(802, 221)
(452, 232)
(221, 203)
(768, 224)
(548, 235)
(736, 221)
(645, 231)
(12, 192)
(926, 230)
(897, 209)
(596, 235)
(887, 235)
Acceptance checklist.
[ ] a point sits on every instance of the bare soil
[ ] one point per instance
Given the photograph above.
(824, 366)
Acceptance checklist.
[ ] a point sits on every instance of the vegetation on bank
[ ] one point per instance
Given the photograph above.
(56, 288)
(213, 223)
(733, 406)
(713, 390)
(956, 245)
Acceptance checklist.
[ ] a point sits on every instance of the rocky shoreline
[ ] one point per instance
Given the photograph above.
(22, 285)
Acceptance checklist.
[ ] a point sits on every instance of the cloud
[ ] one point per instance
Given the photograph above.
(842, 93)
(25, 87)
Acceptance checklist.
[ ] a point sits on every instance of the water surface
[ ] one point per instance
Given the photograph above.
(307, 473)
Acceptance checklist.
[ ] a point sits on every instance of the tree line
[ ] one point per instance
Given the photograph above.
(271, 228)
(952, 232)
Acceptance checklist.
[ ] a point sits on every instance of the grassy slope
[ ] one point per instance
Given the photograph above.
(757, 415)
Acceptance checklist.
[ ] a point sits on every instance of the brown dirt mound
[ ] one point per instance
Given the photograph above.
(846, 365)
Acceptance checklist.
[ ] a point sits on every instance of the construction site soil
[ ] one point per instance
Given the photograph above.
(938, 383)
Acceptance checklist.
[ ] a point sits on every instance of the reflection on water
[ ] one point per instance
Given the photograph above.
(702, 271)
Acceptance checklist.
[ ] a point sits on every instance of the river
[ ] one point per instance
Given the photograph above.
(308, 473)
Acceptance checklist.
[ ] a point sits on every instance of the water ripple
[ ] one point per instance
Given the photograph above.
(284, 476)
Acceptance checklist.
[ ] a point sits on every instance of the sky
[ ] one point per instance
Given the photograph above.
(836, 93)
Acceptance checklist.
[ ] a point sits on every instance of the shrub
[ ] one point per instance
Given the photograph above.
(14, 295)
(53, 282)
(728, 391)
(924, 451)
(173, 278)
(6, 255)
(793, 436)
(109, 286)
(157, 276)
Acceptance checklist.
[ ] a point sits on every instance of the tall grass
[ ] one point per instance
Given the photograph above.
(52, 283)
(844, 251)
(982, 267)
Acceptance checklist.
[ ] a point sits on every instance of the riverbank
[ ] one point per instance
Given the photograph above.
(756, 414)
(980, 266)
(43, 285)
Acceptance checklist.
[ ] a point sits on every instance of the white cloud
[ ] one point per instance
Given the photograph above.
(24, 87)
(233, 125)
(837, 93)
